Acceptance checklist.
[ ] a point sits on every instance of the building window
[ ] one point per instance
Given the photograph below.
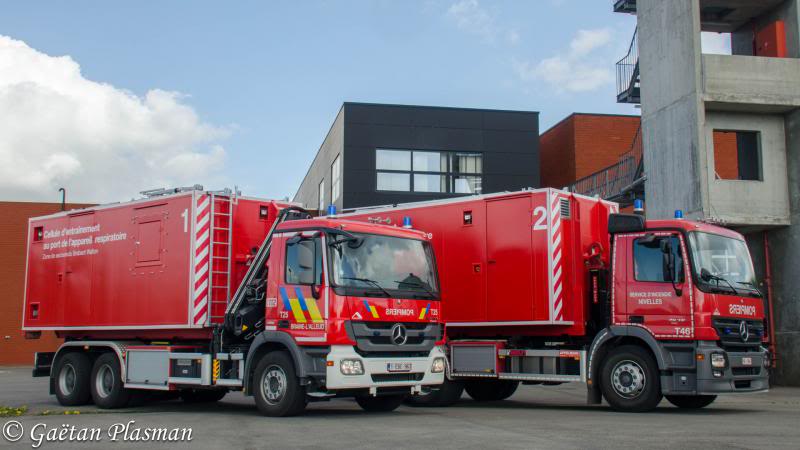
(336, 175)
(429, 171)
(393, 160)
(321, 201)
(388, 181)
(737, 155)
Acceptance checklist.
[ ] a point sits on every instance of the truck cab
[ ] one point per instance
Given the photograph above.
(689, 290)
(350, 309)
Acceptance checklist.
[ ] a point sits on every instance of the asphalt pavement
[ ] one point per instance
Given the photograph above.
(535, 417)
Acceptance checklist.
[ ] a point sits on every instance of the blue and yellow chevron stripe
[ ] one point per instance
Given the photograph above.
(372, 310)
(300, 306)
(424, 311)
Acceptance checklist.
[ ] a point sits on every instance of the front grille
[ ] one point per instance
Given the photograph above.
(376, 337)
(731, 339)
(745, 371)
(396, 377)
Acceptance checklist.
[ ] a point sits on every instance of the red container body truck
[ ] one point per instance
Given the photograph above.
(546, 286)
(201, 293)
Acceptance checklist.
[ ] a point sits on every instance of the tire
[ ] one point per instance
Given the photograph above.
(629, 380)
(447, 394)
(380, 404)
(276, 388)
(202, 395)
(71, 379)
(691, 401)
(490, 391)
(106, 383)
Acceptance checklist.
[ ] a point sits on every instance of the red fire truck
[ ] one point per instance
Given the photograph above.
(545, 286)
(201, 293)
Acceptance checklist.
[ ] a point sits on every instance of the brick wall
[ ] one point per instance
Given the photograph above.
(14, 348)
(583, 144)
(726, 155)
(600, 140)
(557, 155)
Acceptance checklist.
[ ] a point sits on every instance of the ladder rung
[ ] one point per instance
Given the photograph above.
(220, 243)
(219, 257)
(219, 271)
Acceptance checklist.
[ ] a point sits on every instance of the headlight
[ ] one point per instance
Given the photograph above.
(438, 365)
(766, 360)
(718, 360)
(351, 367)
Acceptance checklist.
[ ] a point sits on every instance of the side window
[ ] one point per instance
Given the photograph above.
(303, 261)
(648, 259)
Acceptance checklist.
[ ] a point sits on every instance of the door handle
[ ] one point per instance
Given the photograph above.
(492, 261)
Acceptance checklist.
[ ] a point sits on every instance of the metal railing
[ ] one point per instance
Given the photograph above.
(628, 73)
(615, 180)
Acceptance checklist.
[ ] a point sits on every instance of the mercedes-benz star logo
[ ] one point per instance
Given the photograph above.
(744, 333)
(399, 334)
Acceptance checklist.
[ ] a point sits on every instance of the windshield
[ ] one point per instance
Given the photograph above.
(723, 257)
(384, 264)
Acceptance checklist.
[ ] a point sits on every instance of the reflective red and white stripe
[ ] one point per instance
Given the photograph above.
(202, 247)
(556, 247)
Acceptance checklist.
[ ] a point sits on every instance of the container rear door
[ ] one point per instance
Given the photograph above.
(509, 262)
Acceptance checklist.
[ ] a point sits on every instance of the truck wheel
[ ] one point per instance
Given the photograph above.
(630, 381)
(276, 388)
(691, 401)
(380, 404)
(202, 395)
(490, 391)
(72, 379)
(446, 394)
(106, 384)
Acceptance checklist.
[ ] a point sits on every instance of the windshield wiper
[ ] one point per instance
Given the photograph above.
(417, 284)
(372, 282)
(708, 276)
(752, 285)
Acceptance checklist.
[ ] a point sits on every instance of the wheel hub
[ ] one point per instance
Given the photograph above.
(628, 379)
(104, 382)
(66, 379)
(273, 385)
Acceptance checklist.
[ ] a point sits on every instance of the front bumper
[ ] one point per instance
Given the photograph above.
(745, 372)
(376, 373)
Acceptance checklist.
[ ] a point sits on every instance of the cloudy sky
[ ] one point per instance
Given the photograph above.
(108, 99)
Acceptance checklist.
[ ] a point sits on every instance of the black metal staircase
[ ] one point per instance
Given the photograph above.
(625, 6)
(628, 80)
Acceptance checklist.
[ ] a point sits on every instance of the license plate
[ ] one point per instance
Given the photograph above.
(399, 366)
(747, 361)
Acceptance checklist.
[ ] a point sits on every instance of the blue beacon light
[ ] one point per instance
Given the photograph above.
(678, 214)
(331, 210)
(406, 222)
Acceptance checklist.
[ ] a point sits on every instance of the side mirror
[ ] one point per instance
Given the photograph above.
(305, 259)
(705, 275)
(668, 266)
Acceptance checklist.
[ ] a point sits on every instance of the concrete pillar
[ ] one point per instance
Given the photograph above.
(672, 112)
(785, 260)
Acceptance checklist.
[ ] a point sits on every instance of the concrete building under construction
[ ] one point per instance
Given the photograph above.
(721, 134)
